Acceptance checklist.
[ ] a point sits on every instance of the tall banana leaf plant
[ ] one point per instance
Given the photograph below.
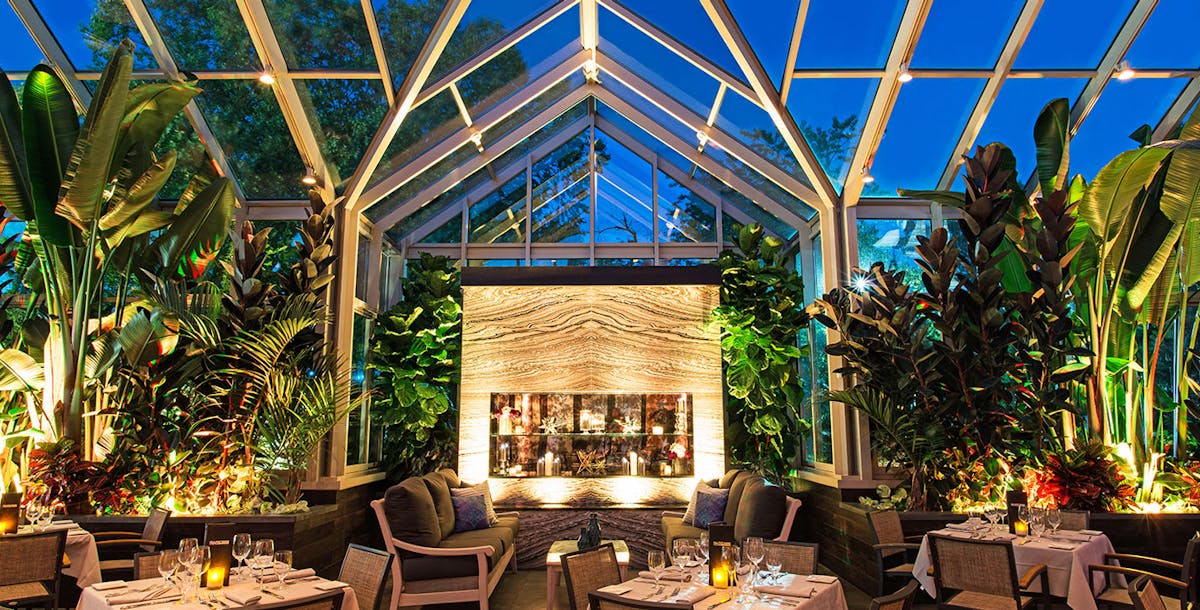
(89, 196)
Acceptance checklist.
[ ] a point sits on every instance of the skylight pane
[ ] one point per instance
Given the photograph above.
(527, 111)
(484, 24)
(1011, 118)
(1121, 109)
(730, 196)
(624, 195)
(683, 216)
(449, 233)
(425, 126)
(768, 32)
(753, 127)
(830, 112)
(925, 125)
(89, 30)
(1158, 45)
(561, 206)
(322, 34)
(403, 28)
(687, 22)
(191, 158)
(246, 120)
(965, 34)
(826, 42)
(499, 218)
(19, 53)
(205, 34)
(1049, 46)
(345, 114)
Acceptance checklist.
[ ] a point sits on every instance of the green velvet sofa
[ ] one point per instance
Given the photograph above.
(434, 565)
(755, 508)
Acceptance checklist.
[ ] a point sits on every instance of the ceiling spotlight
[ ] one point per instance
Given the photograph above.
(1124, 71)
(309, 179)
(591, 71)
(905, 75)
(477, 139)
(867, 178)
(266, 78)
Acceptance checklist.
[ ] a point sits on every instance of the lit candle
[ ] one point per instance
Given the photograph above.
(720, 577)
(633, 460)
(549, 468)
(1020, 528)
(8, 519)
(666, 470)
(216, 578)
(541, 467)
(656, 430)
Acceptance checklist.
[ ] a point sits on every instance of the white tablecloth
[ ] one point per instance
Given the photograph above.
(827, 597)
(81, 550)
(1066, 569)
(91, 599)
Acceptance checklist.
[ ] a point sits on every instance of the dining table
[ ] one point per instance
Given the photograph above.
(84, 558)
(242, 592)
(791, 591)
(1066, 555)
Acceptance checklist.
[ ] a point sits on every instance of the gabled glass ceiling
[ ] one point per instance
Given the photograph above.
(346, 60)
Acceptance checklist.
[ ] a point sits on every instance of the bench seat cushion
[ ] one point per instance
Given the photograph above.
(429, 567)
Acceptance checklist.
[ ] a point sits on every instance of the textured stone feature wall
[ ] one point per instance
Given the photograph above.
(601, 339)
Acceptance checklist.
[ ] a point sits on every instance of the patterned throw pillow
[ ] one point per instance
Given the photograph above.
(479, 489)
(470, 513)
(707, 505)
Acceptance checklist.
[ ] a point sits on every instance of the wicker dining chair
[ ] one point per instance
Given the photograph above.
(586, 571)
(145, 565)
(610, 601)
(1114, 595)
(894, 552)
(982, 575)
(798, 557)
(900, 600)
(33, 579)
(331, 600)
(365, 569)
(1144, 595)
(1074, 520)
(117, 548)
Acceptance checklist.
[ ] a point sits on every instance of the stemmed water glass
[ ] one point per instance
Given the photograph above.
(283, 565)
(1037, 522)
(745, 570)
(168, 563)
(702, 552)
(1054, 520)
(657, 563)
(33, 513)
(774, 559)
(264, 557)
(680, 552)
(754, 551)
(242, 546)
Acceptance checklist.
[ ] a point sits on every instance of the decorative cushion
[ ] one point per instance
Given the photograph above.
(480, 489)
(441, 501)
(735, 493)
(411, 514)
(707, 506)
(470, 512)
(762, 508)
(451, 477)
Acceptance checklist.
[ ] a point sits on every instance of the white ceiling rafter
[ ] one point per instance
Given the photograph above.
(760, 81)
(158, 47)
(52, 51)
(1177, 113)
(909, 31)
(793, 51)
(266, 44)
(439, 36)
(377, 47)
(991, 90)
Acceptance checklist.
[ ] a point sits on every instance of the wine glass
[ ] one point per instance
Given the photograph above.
(264, 555)
(679, 553)
(702, 548)
(283, 565)
(754, 550)
(186, 546)
(657, 562)
(744, 568)
(168, 563)
(1054, 520)
(774, 559)
(33, 513)
(242, 546)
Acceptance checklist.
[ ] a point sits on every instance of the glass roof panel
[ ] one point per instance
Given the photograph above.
(768, 32)
(1158, 44)
(624, 194)
(687, 22)
(404, 26)
(191, 157)
(527, 111)
(322, 34)
(529, 59)
(1045, 48)
(344, 114)
(449, 233)
(499, 218)
(1121, 109)
(965, 34)
(674, 75)
(826, 43)
(1011, 118)
(89, 30)
(561, 194)
(753, 127)
(246, 120)
(683, 216)
(205, 34)
(830, 112)
(425, 126)
(483, 24)
(19, 53)
(924, 127)
(732, 197)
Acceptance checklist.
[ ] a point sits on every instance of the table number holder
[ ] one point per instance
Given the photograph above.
(720, 550)
(221, 558)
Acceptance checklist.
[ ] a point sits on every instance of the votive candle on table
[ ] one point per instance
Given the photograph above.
(656, 430)
(1020, 528)
(8, 519)
(216, 578)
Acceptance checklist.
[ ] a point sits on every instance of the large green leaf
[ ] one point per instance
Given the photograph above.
(149, 110)
(1106, 204)
(1051, 133)
(1145, 243)
(144, 338)
(14, 175)
(50, 128)
(193, 239)
(20, 372)
(83, 195)
(117, 222)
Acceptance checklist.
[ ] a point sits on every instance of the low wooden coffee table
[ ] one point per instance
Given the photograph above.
(563, 547)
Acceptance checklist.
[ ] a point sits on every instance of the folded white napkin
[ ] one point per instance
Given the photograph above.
(292, 575)
(1076, 536)
(1003, 536)
(243, 598)
(795, 588)
(1062, 546)
(671, 573)
(824, 579)
(141, 595)
(108, 585)
(330, 585)
(615, 589)
(1091, 532)
(954, 533)
(691, 595)
(962, 526)
(62, 525)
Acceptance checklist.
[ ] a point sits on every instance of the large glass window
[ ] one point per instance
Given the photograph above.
(891, 242)
(358, 427)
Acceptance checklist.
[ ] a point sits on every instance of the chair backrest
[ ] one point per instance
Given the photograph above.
(1075, 520)
(900, 600)
(145, 565)
(386, 531)
(156, 523)
(586, 571)
(798, 557)
(40, 557)
(1144, 595)
(885, 525)
(219, 531)
(979, 566)
(365, 570)
(327, 601)
(1191, 565)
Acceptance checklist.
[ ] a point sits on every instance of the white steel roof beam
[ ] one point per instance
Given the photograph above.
(789, 70)
(385, 72)
(1177, 113)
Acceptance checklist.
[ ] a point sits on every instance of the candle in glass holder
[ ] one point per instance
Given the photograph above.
(216, 578)
(1020, 528)
(9, 516)
(720, 578)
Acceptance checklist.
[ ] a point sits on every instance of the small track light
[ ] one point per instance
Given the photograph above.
(1124, 71)
(309, 179)
(266, 78)
(905, 75)
(867, 178)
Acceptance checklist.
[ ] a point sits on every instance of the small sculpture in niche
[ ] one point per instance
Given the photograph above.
(551, 425)
(629, 425)
(591, 463)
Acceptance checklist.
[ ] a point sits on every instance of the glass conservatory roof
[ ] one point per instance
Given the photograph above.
(414, 108)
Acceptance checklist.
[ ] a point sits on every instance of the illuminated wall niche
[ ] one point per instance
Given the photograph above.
(589, 331)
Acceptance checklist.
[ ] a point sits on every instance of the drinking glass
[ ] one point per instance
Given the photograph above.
(283, 565)
(679, 553)
(242, 546)
(702, 548)
(186, 546)
(746, 572)
(755, 551)
(1054, 519)
(264, 556)
(33, 513)
(774, 559)
(186, 574)
(168, 563)
(657, 563)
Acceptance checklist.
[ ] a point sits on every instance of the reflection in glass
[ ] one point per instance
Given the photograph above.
(623, 194)
(449, 233)
(356, 428)
(322, 34)
(893, 243)
(500, 217)
(205, 34)
(561, 206)
(483, 24)
(683, 217)
(344, 115)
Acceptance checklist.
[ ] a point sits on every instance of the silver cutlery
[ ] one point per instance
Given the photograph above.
(150, 602)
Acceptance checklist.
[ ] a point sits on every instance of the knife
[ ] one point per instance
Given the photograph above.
(150, 602)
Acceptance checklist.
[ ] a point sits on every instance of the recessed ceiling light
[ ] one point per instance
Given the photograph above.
(1124, 71)
(266, 78)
